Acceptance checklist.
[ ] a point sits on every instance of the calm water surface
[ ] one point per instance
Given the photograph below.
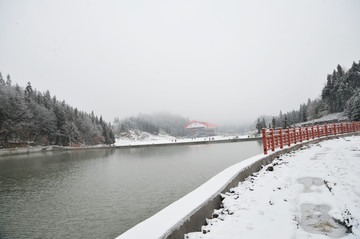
(103, 193)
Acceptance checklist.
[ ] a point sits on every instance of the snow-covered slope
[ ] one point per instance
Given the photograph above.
(330, 118)
(140, 137)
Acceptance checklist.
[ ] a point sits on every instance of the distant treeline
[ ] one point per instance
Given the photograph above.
(153, 124)
(341, 93)
(28, 116)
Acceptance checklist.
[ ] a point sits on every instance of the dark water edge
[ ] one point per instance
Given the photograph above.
(101, 193)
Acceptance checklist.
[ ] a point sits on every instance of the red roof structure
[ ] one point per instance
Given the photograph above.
(203, 123)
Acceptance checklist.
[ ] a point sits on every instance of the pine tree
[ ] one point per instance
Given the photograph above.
(92, 117)
(28, 115)
(47, 100)
(302, 114)
(281, 119)
(273, 122)
(8, 80)
(285, 123)
(340, 71)
(2, 82)
(353, 107)
(28, 91)
(258, 125)
(263, 123)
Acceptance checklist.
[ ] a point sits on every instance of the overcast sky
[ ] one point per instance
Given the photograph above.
(217, 61)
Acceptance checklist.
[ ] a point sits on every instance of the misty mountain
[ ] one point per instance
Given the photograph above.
(28, 116)
(152, 123)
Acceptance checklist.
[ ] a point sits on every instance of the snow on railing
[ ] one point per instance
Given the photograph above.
(281, 137)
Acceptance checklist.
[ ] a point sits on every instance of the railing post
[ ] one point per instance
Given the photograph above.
(294, 135)
(334, 129)
(307, 132)
(313, 132)
(272, 140)
(281, 138)
(353, 126)
(300, 130)
(318, 130)
(264, 140)
(326, 130)
(347, 127)
(341, 128)
(288, 134)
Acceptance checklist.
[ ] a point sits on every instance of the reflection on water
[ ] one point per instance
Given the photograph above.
(102, 193)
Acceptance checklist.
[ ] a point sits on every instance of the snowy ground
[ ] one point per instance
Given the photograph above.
(309, 193)
(146, 138)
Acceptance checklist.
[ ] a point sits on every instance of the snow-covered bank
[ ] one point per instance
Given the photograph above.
(149, 139)
(304, 194)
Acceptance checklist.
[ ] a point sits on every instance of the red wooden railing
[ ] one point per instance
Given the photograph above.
(273, 139)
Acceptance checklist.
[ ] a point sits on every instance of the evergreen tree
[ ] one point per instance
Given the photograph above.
(353, 106)
(28, 91)
(47, 100)
(92, 117)
(340, 71)
(338, 94)
(8, 80)
(263, 123)
(285, 123)
(302, 113)
(273, 123)
(281, 119)
(27, 115)
(2, 82)
(259, 125)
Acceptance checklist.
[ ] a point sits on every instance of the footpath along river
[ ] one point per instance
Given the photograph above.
(101, 193)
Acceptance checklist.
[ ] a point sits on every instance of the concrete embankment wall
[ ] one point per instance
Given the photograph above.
(221, 141)
(17, 151)
(43, 149)
(189, 213)
(37, 149)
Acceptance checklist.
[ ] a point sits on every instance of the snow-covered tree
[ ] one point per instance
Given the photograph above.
(353, 107)
(2, 82)
(27, 115)
(8, 80)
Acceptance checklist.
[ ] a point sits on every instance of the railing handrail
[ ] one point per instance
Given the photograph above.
(277, 138)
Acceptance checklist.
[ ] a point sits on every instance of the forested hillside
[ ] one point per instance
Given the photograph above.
(28, 116)
(153, 124)
(341, 93)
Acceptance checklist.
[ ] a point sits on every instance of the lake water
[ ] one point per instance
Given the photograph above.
(102, 193)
